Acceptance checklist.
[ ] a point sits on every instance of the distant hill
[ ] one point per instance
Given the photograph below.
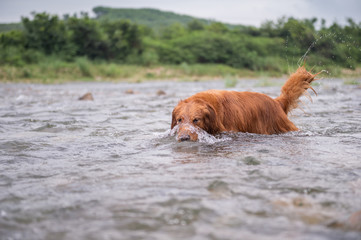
(5, 27)
(153, 18)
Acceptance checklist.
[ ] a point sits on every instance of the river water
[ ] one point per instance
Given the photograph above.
(111, 169)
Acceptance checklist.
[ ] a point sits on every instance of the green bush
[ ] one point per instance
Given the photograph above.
(32, 56)
(84, 40)
(149, 57)
(84, 66)
(11, 55)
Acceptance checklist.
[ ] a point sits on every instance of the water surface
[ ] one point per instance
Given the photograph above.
(110, 169)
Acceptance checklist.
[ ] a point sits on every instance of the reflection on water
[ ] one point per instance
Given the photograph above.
(112, 169)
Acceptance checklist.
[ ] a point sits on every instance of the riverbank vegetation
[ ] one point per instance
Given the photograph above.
(47, 48)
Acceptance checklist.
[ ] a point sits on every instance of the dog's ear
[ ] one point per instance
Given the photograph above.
(212, 122)
(174, 120)
(175, 115)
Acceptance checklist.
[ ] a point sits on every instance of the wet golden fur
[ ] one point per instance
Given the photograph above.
(217, 111)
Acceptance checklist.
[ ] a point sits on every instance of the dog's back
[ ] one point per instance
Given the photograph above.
(247, 111)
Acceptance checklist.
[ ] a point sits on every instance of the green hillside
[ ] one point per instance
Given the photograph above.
(4, 27)
(94, 47)
(152, 18)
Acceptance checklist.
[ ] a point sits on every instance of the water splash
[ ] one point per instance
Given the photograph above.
(203, 136)
(288, 63)
(325, 71)
(302, 59)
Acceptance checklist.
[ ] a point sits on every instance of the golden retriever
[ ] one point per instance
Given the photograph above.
(217, 111)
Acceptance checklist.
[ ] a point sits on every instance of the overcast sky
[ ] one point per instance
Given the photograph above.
(246, 12)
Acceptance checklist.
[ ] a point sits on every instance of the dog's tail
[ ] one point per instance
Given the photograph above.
(294, 88)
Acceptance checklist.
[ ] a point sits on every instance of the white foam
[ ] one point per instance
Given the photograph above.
(203, 136)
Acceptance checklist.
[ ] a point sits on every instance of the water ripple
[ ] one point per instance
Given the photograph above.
(112, 168)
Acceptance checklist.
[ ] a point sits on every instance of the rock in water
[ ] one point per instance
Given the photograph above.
(160, 93)
(87, 97)
(354, 221)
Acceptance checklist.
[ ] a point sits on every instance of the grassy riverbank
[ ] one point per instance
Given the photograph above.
(55, 71)
(50, 49)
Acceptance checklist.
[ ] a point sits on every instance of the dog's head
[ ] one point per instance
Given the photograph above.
(191, 116)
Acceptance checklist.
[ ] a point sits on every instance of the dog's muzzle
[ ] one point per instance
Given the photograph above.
(187, 132)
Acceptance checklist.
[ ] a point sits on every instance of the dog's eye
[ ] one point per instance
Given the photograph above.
(195, 120)
(179, 120)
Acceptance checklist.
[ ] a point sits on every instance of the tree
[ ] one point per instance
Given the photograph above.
(88, 38)
(218, 27)
(173, 31)
(195, 25)
(124, 39)
(44, 32)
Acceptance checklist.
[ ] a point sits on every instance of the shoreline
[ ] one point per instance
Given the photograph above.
(63, 72)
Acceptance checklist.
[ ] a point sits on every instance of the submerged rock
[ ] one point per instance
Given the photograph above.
(249, 160)
(219, 188)
(304, 209)
(301, 202)
(87, 97)
(354, 221)
(160, 93)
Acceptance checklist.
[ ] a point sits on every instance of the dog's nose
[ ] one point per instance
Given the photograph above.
(185, 137)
